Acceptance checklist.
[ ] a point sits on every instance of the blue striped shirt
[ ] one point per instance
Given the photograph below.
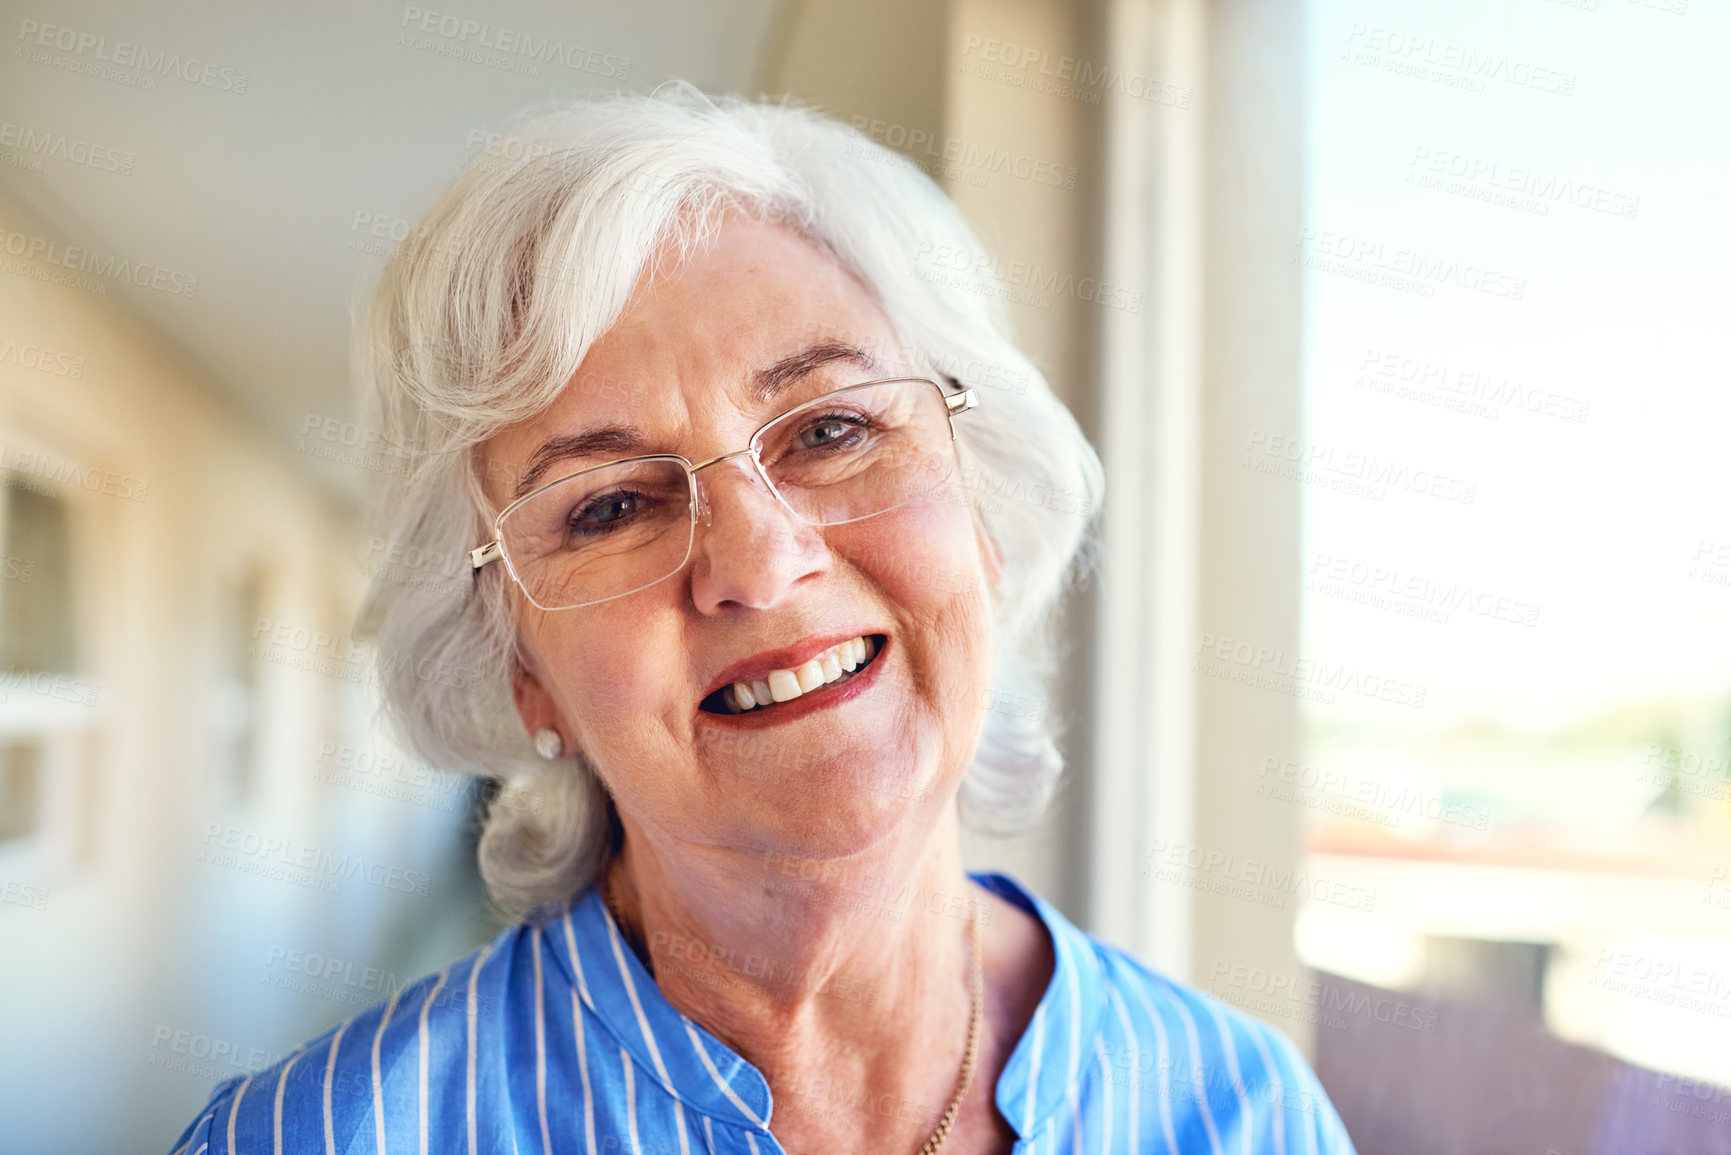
(555, 1038)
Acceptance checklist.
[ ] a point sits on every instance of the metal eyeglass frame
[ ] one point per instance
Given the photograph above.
(484, 555)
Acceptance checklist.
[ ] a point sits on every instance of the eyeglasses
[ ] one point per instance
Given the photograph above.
(609, 531)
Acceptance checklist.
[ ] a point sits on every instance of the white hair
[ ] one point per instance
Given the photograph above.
(482, 318)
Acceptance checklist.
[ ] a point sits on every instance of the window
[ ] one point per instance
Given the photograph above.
(232, 706)
(43, 702)
(1516, 544)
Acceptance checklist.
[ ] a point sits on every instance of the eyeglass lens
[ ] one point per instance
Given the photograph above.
(852, 454)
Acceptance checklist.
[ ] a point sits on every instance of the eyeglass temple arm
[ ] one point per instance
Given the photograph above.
(961, 402)
(482, 556)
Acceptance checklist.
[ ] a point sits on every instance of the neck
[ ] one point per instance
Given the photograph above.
(856, 967)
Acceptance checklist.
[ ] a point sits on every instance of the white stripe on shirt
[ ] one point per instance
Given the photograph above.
(330, 1069)
(378, 1079)
(421, 1047)
(276, 1107)
(540, 1043)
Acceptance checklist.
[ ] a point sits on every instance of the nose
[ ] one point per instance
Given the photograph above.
(750, 549)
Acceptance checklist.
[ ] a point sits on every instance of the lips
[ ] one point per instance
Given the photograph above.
(759, 686)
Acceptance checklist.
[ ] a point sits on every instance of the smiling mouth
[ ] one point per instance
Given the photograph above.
(834, 666)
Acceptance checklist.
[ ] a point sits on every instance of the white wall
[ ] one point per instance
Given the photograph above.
(135, 932)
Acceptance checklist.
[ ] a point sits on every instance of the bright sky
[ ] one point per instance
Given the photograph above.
(1597, 522)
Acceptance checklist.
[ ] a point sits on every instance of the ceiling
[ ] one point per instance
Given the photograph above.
(351, 115)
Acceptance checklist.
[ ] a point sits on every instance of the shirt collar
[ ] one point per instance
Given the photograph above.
(1045, 1070)
(1043, 1073)
(691, 1064)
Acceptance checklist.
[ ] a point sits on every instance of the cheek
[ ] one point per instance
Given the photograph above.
(609, 682)
(924, 555)
(925, 561)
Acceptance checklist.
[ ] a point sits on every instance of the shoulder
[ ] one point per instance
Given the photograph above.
(412, 1045)
(1199, 1065)
(1229, 1070)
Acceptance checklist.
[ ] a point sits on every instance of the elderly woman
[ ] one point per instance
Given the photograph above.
(744, 646)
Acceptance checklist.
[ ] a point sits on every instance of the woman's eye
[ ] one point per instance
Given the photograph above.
(824, 433)
(605, 510)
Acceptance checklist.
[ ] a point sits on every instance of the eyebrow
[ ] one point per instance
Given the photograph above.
(767, 383)
(771, 381)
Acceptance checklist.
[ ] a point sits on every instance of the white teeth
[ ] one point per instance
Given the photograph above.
(785, 685)
(810, 676)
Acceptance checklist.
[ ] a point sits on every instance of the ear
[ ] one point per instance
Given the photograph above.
(535, 706)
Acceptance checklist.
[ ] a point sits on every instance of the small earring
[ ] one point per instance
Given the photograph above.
(548, 744)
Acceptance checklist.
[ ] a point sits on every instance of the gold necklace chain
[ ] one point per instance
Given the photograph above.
(976, 1013)
(976, 1019)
